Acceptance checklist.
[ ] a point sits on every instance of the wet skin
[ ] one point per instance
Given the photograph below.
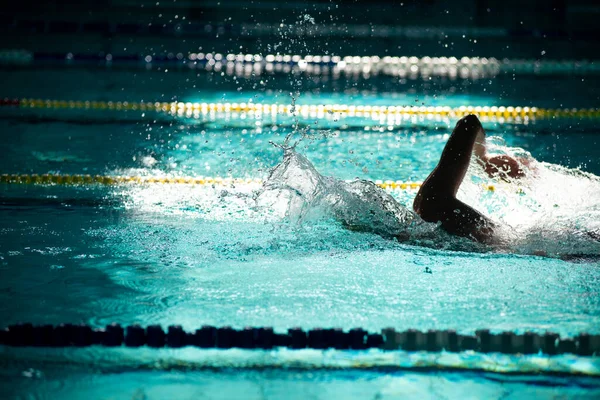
(436, 200)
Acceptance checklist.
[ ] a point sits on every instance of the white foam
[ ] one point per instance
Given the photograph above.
(553, 211)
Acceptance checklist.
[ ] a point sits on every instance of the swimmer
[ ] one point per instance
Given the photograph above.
(295, 188)
(436, 200)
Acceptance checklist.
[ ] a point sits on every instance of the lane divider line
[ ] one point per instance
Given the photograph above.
(78, 179)
(371, 65)
(190, 109)
(114, 335)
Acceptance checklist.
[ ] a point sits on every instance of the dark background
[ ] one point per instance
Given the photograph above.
(512, 28)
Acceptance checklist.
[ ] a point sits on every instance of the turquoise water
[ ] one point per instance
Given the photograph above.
(202, 255)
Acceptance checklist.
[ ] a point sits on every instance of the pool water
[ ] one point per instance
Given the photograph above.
(189, 255)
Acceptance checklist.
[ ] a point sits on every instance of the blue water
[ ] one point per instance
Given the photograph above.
(193, 256)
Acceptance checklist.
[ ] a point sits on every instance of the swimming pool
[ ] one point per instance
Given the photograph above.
(193, 255)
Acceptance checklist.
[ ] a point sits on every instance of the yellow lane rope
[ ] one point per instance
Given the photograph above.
(64, 179)
(197, 108)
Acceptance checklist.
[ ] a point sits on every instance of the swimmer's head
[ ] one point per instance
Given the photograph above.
(503, 167)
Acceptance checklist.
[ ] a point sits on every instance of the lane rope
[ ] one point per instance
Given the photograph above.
(466, 67)
(113, 335)
(333, 111)
(77, 179)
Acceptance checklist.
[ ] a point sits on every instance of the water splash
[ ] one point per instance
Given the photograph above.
(296, 187)
(536, 218)
(299, 192)
(554, 211)
(296, 192)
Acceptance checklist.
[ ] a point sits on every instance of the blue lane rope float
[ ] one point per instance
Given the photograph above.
(154, 336)
(465, 67)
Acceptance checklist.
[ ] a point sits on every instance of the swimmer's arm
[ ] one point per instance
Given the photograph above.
(463, 220)
(456, 155)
